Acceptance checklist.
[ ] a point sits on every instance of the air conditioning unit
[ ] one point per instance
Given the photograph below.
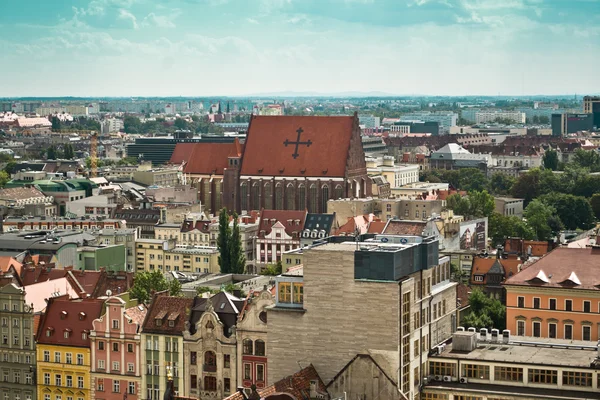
(447, 378)
(437, 378)
(483, 333)
(460, 329)
(472, 329)
(463, 380)
(505, 336)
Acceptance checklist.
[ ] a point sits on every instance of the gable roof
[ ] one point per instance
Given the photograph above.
(400, 227)
(206, 158)
(319, 222)
(560, 267)
(63, 314)
(385, 361)
(491, 265)
(286, 218)
(226, 306)
(201, 225)
(38, 293)
(167, 308)
(267, 154)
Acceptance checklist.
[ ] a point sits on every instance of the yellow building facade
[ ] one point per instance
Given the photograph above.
(63, 373)
(154, 254)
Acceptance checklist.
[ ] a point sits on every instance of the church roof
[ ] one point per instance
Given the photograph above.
(205, 158)
(271, 147)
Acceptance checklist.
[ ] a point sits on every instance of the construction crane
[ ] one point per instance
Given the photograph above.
(94, 154)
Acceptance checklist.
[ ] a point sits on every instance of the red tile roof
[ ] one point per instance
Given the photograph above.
(399, 227)
(202, 226)
(563, 267)
(376, 226)
(73, 315)
(329, 137)
(167, 308)
(287, 218)
(205, 158)
(481, 266)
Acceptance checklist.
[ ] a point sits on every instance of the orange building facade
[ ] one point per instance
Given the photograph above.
(558, 296)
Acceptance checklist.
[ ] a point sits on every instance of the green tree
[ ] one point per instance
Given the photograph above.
(56, 125)
(52, 153)
(4, 178)
(230, 287)
(146, 282)
(475, 205)
(501, 184)
(10, 167)
(236, 253)
(485, 312)
(69, 153)
(534, 183)
(595, 203)
(219, 109)
(587, 159)
(458, 274)
(539, 215)
(550, 160)
(227, 111)
(502, 227)
(472, 179)
(574, 211)
(181, 124)
(203, 289)
(132, 124)
(273, 269)
(544, 119)
(223, 242)
(458, 204)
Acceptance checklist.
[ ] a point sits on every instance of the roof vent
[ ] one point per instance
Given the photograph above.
(572, 279)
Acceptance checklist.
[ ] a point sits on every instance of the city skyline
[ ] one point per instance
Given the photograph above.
(197, 48)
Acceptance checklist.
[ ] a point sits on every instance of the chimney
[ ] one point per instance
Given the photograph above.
(499, 251)
(237, 293)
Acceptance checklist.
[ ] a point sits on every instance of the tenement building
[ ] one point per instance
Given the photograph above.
(362, 298)
(297, 163)
(484, 366)
(557, 296)
(17, 352)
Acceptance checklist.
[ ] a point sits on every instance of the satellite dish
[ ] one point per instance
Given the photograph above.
(109, 292)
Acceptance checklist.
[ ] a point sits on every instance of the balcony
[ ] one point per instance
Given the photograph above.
(209, 368)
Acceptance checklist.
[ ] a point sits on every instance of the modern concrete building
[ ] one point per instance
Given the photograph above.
(565, 123)
(591, 104)
(157, 177)
(509, 206)
(484, 117)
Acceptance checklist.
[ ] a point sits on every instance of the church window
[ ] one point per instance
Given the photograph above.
(301, 197)
(324, 197)
(312, 198)
(290, 197)
(279, 196)
(255, 201)
(339, 192)
(244, 196)
(268, 195)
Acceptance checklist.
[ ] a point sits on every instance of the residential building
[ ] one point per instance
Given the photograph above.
(111, 125)
(126, 237)
(301, 172)
(566, 123)
(396, 174)
(194, 233)
(373, 146)
(164, 255)
(17, 352)
(248, 225)
(484, 117)
(210, 345)
(411, 306)
(12, 224)
(144, 220)
(509, 206)
(59, 248)
(556, 296)
(76, 110)
(100, 206)
(251, 335)
(489, 273)
(150, 254)
(454, 156)
(279, 231)
(116, 350)
(316, 226)
(411, 209)
(369, 121)
(419, 127)
(445, 119)
(173, 194)
(505, 367)
(63, 349)
(109, 257)
(162, 337)
(591, 104)
(167, 231)
(157, 177)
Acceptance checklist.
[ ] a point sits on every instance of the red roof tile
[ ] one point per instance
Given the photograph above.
(376, 226)
(205, 158)
(166, 308)
(266, 153)
(182, 152)
(287, 218)
(201, 225)
(399, 227)
(62, 314)
(481, 266)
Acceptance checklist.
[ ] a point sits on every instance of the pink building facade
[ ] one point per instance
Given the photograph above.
(115, 352)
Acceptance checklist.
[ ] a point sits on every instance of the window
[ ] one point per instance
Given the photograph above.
(210, 383)
(508, 374)
(572, 378)
(46, 356)
(442, 369)
(101, 385)
(298, 293)
(101, 364)
(247, 371)
(285, 292)
(478, 278)
(552, 304)
(536, 329)
(587, 306)
(194, 381)
(520, 328)
(69, 381)
(521, 302)
(131, 388)
(69, 358)
(115, 347)
(476, 371)
(226, 361)
(260, 372)
(226, 385)
(80, 382)
(129, 347)
(193, 357)
(115, 324)
(46, 378)
(587, 332)
(568, 331)
(568, 305)
(130, 367)
(17, 377)
(116, 366)
(547, 376)
(536, 302)
(247, 348)
(28, 379)
(116, 386)
(58, 380)
(259, 348)
(552, 330)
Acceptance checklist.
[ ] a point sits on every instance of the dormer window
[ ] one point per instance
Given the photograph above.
(171, 323)
(63, 315)
(82, 316)
(158, 322)
(49, 331)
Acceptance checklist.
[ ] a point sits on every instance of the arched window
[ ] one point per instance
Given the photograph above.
(247, 346)
(255, 201)
(301, 197)
(210, 359)
(268, 195)
(259, 348)
(244, 196)
(290, 197)
(324, 197)
(312, 198)
(338, 192)
(279, 196)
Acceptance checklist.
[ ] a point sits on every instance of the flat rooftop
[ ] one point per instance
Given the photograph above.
(532, 351)
(520, 391)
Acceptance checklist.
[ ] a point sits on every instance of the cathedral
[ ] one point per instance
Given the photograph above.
(297, 163)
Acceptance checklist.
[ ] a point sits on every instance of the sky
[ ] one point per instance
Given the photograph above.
(241, 47)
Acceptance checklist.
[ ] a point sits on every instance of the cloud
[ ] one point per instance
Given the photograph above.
(298, 19)
(128, 16)
(270, 6)
(252, 21)
(159, 21)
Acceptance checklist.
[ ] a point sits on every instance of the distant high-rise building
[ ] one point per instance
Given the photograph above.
(369, 121)
(591, 104)
(445, 119)
(566, 123)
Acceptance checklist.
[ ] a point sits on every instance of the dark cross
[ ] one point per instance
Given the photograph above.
(297, 143)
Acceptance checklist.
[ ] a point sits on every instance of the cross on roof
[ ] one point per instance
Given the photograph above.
(297, 142)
